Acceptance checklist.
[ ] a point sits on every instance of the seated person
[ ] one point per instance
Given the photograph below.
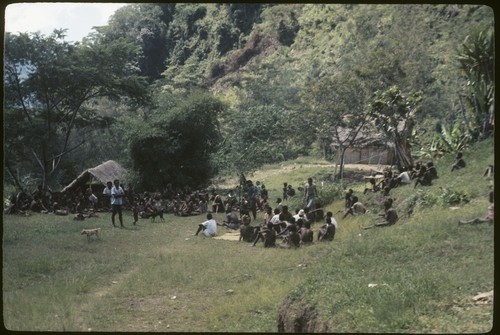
(356, 208)
(416, 171)
(390, 215)
(232, 221)
(374, 186)
(247, 231)
(425, 178)
(285, 214)
(332, 219)
(404, 178)
(275, 220)
(306, 233)
(489, 215)
(208, 227)
(316, 215)
(348, 198)
(431, 169)
(327, 231)
(267, 235)
(293, 238)
(459, 162)
(218, 203)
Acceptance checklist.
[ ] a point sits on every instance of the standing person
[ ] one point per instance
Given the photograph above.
(209, 227)
(135, 211)
(107, 193)
(285, 193)
(117, 194)
(310, 193)
(348, 199)
(252, 193)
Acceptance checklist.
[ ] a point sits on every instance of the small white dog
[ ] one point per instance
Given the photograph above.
(90, 232)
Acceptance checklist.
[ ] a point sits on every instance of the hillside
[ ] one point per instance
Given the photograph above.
(228, 88)
(419, 276)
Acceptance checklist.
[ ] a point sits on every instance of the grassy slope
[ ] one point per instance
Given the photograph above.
(158, 277)
(429, 266)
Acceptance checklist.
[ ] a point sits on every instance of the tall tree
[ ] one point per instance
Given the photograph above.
(337, 111)
(49, 85)
(394, 115)
(145, 25)
(179, 142)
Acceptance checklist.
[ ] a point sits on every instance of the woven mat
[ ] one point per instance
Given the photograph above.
(229, 235)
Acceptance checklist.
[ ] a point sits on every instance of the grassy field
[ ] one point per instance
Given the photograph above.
(157, 276)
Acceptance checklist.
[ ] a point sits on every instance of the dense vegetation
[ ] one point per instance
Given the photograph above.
(195, 90)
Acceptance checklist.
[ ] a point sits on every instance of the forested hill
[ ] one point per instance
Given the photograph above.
(266, 81)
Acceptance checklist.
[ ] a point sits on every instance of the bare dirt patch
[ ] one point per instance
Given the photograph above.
(294, 317)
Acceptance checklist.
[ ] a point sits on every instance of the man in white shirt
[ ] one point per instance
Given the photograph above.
(107, 193)
(404, 178)
(209, 227)
(301, 214)
(117, 194)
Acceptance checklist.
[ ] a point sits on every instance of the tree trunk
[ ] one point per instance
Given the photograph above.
(403, 153)
(342, 151)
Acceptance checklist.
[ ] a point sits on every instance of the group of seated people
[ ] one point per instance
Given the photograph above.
(74, 202)
(421, 173)
(293, 229)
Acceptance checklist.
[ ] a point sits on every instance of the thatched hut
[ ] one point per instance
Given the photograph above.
(99, 175)
(370, 147)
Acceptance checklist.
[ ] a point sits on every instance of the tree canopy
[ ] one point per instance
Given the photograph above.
(189, 90)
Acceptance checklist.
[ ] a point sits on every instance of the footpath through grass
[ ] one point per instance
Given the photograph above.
(158, 277)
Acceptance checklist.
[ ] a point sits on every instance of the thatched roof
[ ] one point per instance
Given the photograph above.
(107, 171)
(368, 136)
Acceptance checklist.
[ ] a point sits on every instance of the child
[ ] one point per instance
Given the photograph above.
(135, 211)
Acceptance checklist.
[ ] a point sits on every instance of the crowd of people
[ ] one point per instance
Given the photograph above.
(279, 223)
(240, 205)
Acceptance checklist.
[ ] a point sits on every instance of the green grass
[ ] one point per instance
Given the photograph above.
(158, 277)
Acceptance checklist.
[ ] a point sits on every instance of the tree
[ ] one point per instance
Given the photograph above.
(476, 61)
(253, 136)
(337, 111)
(179, 142)
(144, 25)
(394, 115)
(49, 86)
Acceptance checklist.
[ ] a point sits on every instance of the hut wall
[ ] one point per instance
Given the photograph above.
(368, 155)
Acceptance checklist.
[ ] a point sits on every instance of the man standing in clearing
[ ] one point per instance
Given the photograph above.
(117, 194)
(310, 192)
(209, 227)
(107, 193)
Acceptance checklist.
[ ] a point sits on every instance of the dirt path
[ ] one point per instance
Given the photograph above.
(95, 296)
